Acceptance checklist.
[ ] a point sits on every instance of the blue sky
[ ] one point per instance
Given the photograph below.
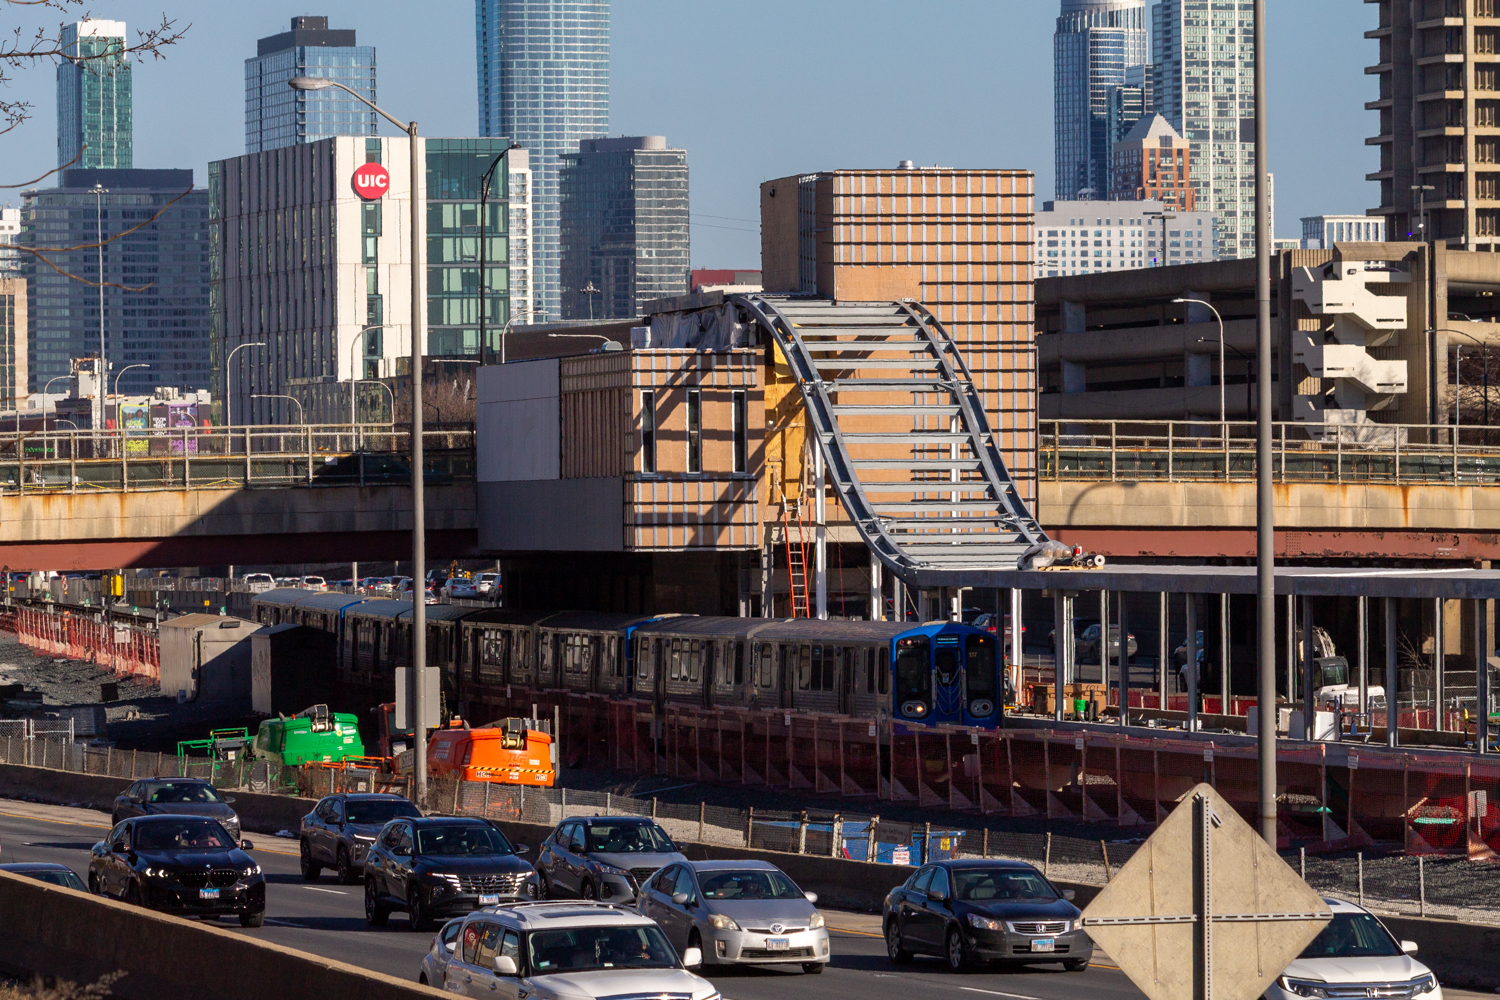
(753, 89)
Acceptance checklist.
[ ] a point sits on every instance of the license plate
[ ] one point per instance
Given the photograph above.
(1043, 944)
(489, 899)
(208, 893)
(777, 944)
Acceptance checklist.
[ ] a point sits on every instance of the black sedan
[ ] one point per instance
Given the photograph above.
(178, 796)
(341, 828)
(185, 865)
(443, 866)
(47, 871)
(984, 911)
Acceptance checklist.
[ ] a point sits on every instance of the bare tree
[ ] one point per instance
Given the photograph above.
(22, 49)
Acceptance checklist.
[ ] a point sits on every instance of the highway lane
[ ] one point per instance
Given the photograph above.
(327, 919)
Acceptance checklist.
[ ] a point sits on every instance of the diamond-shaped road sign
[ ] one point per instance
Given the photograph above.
(1205, 910)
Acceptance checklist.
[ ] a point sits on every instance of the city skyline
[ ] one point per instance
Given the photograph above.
(1002, 50)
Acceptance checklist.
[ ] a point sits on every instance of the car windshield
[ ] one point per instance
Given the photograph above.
(1352, 935)
(747, 885)
(629, 838)
(188, 792)
(462, 838)
(588, 949)
(1000, 883)
(184, 835)
(63, 878)
(378, 812)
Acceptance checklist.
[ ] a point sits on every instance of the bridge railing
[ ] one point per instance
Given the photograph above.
(192, 458)
(1210, 451)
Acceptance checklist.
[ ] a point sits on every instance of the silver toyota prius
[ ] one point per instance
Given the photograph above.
(737, 912)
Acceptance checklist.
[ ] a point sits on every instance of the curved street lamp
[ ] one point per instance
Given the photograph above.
(1201, 302)
(228, 395)
(301, 419)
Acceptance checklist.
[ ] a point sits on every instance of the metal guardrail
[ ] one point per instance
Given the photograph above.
(1209, 451)
(194, 458)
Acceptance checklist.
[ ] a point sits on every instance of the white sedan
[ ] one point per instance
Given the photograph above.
(1355, 956)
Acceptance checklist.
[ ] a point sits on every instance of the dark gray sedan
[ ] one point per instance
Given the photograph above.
(176, 796)
(603, 857)
(341, 828)
(979, 910)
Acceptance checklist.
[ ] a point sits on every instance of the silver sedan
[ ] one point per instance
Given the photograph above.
(737, 912)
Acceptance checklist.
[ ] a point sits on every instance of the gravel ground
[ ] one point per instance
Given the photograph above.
(141, 720)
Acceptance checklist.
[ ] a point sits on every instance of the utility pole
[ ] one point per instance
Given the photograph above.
(1265, 511)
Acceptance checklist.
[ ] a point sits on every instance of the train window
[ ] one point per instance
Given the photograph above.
(946, 664)
(692, 668)
(706, 662)
(979, 668)
(739, 664)
(869, 671)
(767, 664)
(913, 670)
(644, 658)
(804, 668)
(883, 671)
(674, 663)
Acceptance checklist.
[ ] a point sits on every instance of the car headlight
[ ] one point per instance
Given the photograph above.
(157, 873)
(1302, 987)
(363, 839)
(436, 878)
(252, 870)
(816, 922)
(605, 869)
(723, 923)
(985, 923)
(1424, 984)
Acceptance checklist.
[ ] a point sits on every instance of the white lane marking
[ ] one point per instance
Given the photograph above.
(997, 993)
(336, 892)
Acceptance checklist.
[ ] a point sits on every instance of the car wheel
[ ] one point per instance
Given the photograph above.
(133, 895)
(543, 885)
(958, 953)
(416, 913)
(813, 968)
(422, 979)
(893, 948)
(310, 869)
(347, 874)
(253, 919)
(376, 912)
(1076, 964)
(94, 885)
(587, 890)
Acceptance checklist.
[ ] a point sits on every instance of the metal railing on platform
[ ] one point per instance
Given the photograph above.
(195, 458)
(1209, 451)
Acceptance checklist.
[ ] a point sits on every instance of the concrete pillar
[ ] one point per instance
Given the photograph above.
(1017, 652)
(1309, 696)
(1191, 670)
(1163, 648)
(877, 591)
(1481, 677)
(1291, 650)
(1104, 639)
(1074, 317)
(1363, 651)
(1224, 638)
(898, 598)
(1124, 661)
(1062, 653)
(767, 603)
(820, 557)
(1075, 377)
(1439, 656)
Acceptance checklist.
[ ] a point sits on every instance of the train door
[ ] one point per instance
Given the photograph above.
(848, 668)
(981, 681)
(914, 675)
(708, 671)
(947, 680)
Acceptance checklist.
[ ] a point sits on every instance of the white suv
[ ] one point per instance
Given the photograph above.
(566, 950)
(1355, 956)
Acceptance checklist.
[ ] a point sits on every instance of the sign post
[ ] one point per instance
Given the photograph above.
(1205, 887)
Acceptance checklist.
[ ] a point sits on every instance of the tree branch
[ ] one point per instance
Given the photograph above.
(38, 252)
(65, 166)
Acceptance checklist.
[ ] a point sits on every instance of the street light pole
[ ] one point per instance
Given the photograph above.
(301, 413)
(99, 192)
(485, 180)
(354, 378)
(1201, 302)
(417, 699)
(1422, 190)
(591, 291)
(228, 395)
(1265, 511)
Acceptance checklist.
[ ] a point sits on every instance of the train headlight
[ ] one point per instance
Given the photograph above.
(914, 709)
(981, 707)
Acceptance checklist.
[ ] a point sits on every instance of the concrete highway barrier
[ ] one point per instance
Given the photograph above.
(52, 931)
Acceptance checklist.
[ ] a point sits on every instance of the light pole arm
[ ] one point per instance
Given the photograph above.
(323, 83)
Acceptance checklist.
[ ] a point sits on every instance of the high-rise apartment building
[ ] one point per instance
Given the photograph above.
(94, 125)
(544, 82)
(1321, 232)
(1096, 237)
(958, 241)
(624, 226)
(10, 228)
(321, 275)
(276, 115)
(157, 278)
(1096, 43)
(13, 380)
(1204, 52)
(1153, 162)
(1439, 106)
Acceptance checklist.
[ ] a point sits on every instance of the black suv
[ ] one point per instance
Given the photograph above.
(341, 828)
(182, 864)
(182, 796)
(442, 866)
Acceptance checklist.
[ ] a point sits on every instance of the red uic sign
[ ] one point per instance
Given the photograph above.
(372, 181)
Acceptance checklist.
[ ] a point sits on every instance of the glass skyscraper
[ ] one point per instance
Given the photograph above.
(624, 221)
(156, 299)
(544, 83)
(1096, 43)
(93, 97)
(276, 115)
(1205, 55)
